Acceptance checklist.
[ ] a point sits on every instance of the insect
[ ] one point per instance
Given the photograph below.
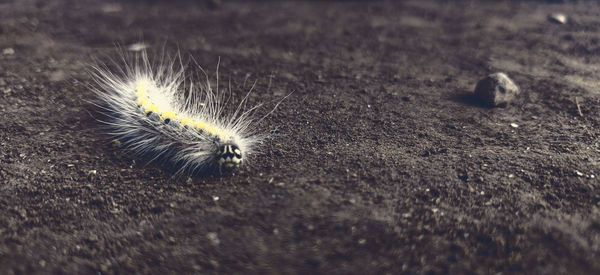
(158, 111)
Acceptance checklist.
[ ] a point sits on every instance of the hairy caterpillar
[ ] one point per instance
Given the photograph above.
(156, 111)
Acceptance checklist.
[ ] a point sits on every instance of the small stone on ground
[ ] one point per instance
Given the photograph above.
(557, 18)
(496, 89)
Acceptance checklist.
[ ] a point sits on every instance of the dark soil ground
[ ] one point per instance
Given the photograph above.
(380, 161)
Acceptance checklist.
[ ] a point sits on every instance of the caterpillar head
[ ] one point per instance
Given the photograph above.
(229, 157)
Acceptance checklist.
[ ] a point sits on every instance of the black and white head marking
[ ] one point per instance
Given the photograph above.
(229, 156)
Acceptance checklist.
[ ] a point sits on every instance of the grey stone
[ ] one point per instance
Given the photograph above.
(496, 89)
(8, 51)
(557, 18)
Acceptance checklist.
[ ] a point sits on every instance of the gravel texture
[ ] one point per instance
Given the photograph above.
(381, 160)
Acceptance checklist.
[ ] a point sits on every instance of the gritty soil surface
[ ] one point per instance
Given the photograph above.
(380, 161)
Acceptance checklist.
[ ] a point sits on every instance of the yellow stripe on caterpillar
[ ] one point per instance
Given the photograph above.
(168, 115)
(205, 127)
(142, 96)
(186, 121)
(143, 101)
(151, 108)
(142, 86)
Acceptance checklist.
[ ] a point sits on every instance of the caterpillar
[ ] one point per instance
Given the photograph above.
(157, 110)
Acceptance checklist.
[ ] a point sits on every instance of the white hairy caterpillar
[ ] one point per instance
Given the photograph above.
(155, 110)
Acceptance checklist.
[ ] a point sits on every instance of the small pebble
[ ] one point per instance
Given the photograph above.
(578, 173)
(514, 125)
(8, 51)
(92, 174)
(58, 76)
(496, 89)
(136, 47)
(116, 143)
(213, 238)
(557, 18)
